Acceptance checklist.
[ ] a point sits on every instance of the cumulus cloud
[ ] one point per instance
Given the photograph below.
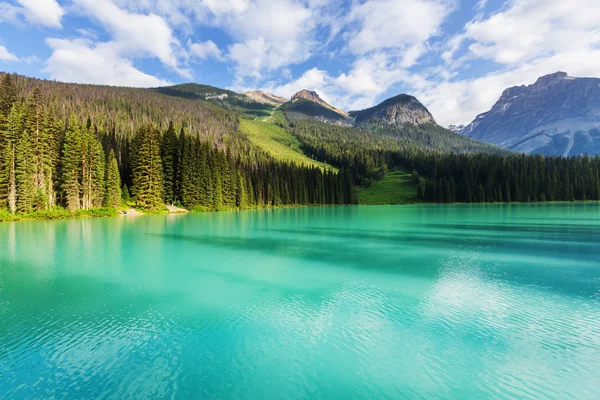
(6, 55)
(43, 12)
(135, 34)
(389, 24)
(205, 50)
(81, 61)
(46, 13)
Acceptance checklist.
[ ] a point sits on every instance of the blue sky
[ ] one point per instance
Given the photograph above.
(456, 56)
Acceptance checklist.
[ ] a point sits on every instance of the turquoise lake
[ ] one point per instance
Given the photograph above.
(424, 301)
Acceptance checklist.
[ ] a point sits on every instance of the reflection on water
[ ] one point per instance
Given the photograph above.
(342, 302)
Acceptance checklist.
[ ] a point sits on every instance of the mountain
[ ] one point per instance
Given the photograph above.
(398, 110)
(557, 115)
(247, 105)
(307, 103)
(265, 98)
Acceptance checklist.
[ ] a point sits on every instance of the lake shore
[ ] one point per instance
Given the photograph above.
(60, 213)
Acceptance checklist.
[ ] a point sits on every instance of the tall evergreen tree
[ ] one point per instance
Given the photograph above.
(72, 151)
(25, 173)
(112, 194)
(169, 153)
(147, 170)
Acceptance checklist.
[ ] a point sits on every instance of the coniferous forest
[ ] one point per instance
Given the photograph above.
(85, 147)
(446, 175)
(93, 150)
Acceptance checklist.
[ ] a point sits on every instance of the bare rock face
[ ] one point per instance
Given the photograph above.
(307, 103)
(265, 98)
(557, 115)
(398, 110)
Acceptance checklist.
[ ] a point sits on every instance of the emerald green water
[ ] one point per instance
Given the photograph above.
(345, 302)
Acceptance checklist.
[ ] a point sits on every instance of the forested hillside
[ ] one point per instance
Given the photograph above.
(446, 171)
(83, 147)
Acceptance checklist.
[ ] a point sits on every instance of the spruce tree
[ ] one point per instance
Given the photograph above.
(125, 195)
(25, 173)
(9, 176)
(112, 194)
(169, 162)
(14, 130)
(8, 95)
(147, 170)
(72, 151)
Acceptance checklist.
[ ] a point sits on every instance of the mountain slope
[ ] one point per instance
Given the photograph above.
(278, 143)
(221, 97)
(307, 103)
(557, 115)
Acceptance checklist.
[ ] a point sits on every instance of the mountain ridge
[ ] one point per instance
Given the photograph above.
(556, 115)
(264, 97)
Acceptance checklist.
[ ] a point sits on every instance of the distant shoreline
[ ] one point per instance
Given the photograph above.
(61, 214)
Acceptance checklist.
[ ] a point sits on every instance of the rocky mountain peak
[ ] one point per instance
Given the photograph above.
(551, 78)
(398, 110)
(307, 95)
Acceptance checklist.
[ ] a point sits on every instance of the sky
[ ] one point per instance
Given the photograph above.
(455, 56)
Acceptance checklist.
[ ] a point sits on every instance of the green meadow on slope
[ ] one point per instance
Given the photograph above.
(277, 142)
(397, 187)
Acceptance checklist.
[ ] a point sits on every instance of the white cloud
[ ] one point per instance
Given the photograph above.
(313, 79)
(46, 13)
(271, 35)
(81, 61)
(42, 12)
(135, 34)
(388, 24)
(6, 55)
(531, 28)
(205, 50)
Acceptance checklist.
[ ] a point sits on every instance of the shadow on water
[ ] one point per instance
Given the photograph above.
(409, 259)
(384, 260)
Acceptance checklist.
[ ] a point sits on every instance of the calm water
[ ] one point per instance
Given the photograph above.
(350, 302)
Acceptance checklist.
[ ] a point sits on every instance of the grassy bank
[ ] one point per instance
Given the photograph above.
(398, 187)
(58, 213)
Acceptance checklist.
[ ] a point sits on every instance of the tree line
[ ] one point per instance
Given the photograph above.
(47, 162)
(515, 178)
(446, 176)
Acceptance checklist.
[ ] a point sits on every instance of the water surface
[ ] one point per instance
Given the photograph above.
(489, 301)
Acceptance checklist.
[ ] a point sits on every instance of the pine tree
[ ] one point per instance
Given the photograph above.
(125, 195)
(8, 95)
(147, 169)
(241, 198)
(169, 163)
(9, 175)
(34, 124)
(13, 132)
(72, 165)
(112, 194)
(98, 174)
(25, 173)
